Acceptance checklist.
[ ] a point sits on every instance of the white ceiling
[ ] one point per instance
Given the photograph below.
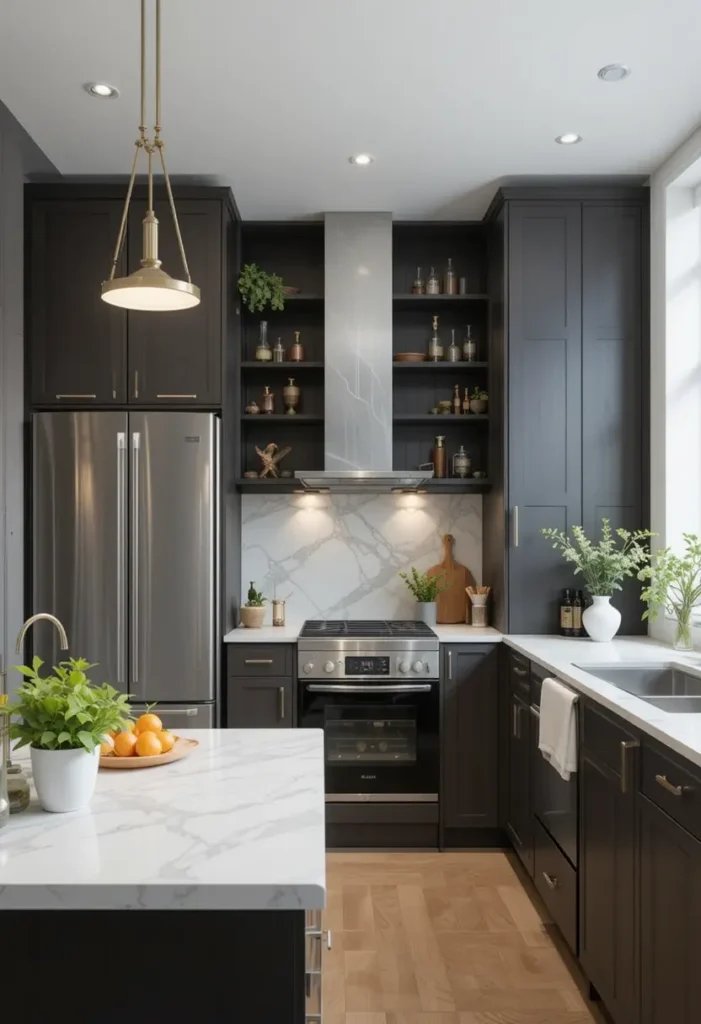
(272, 96)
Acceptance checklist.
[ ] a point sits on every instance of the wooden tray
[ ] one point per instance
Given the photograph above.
(181, 749)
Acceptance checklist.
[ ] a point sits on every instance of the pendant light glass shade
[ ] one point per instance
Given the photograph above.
(150, 288)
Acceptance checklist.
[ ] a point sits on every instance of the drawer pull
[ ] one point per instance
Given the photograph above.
(258, 661)
(663, 781)
(281, 701)
(328, 940)
(176, 396)
(551, 881)
(76, 396)
(626, 745)
(519, 671)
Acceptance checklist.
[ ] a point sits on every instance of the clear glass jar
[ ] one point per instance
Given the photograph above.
(682, 635)
(433, 285)
(17, 789)
(419, 285)
(263, 351)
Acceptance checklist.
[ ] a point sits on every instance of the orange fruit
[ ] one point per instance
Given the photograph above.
(148, 744)
(124, 744)
(129, 726)
(148, 723)
(167, 740)
(107, 745)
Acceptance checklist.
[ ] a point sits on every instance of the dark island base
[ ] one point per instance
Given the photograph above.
(238, 967)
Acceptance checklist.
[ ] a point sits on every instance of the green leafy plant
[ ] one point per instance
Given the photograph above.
(674, 585)
(65, 710)
(479, 395)
(424, 588)
(260, 289)
(604, 565)
(255, 597)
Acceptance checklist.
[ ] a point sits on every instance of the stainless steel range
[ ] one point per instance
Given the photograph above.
(373, 687)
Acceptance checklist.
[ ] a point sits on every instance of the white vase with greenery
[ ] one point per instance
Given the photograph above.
(603, 565)
(63, 718)
(674, 586)
(426, 590)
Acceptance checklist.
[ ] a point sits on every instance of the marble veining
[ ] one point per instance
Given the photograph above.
(340, 555)
(238, 825)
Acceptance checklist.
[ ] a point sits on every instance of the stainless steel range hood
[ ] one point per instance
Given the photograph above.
(358, 360)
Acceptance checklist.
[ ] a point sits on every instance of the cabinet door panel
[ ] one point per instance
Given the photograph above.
(544, 481)
(519, 819)
(78, 342)
(260, 703)
(175, 357)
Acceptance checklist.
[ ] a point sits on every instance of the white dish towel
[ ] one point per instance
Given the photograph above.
(557, 737)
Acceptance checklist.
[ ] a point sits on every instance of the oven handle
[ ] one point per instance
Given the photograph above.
(346, 688)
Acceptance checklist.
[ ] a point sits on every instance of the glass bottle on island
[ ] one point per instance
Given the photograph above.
(435, 349)
(450, 281)
(433, 285)
(419, 285)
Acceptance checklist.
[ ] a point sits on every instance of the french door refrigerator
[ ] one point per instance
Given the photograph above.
(126, 552)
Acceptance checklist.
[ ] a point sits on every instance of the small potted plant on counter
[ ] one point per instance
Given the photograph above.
(253, 612)
(478, 401)
(674, 585)
(64, 718)
(260, 290)
(425, 589)
(604, 565)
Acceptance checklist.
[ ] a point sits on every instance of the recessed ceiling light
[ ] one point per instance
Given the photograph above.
(361, 159)
(568, 139)
(613, 72)
(101, 90)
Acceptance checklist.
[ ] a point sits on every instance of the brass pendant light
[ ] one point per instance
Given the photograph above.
(149, 287)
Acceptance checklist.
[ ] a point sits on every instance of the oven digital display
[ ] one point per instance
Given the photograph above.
(367, 666)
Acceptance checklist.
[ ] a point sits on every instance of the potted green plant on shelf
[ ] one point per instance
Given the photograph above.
(260, 289)
(253, 612)
(63, 717)
(674, 586)
(478, 401)
(426, 590)
(604, 565)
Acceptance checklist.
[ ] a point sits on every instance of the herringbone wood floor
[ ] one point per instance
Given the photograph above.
(429, 938)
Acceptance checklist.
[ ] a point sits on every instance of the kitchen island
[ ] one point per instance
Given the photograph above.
(224, 851)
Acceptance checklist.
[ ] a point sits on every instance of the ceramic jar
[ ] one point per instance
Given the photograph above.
(601, 620)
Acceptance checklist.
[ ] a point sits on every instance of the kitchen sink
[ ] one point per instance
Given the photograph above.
(666, 686)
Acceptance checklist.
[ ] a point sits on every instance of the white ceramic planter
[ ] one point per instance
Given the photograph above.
(601, 620)
(426, 612)
(252, 618)
(64, 779)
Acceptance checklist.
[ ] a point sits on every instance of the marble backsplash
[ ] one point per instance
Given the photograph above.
(339, 556)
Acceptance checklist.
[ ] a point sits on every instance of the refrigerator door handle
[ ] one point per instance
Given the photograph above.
(136, 447)
(121, 530)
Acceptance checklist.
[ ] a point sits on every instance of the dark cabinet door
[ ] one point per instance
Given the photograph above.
(607, 884)
(670, 904)
(613, 358)
(545, 404)
(470, 737)
(77, 342)
(175, 357)
(260, 703)
(519, 817)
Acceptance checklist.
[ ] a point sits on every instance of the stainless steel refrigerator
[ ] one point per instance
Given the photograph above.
(126, 552)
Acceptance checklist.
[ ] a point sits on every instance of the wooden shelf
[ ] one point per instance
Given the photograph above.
(304, 298)
(442, 365)
(470, 297)
(269, 485)
(257, 364)
(439, 418)
(280, 417)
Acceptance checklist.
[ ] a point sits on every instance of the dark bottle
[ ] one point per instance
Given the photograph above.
(577, 609)
(566, 613)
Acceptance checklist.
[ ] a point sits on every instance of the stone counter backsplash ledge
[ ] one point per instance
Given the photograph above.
(338, 556)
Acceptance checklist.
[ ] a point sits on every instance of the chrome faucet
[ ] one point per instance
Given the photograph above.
(36, 618)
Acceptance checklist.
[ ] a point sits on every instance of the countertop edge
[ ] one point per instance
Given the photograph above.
(448, 633)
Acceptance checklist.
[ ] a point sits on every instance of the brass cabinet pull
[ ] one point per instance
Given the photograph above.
(450, 666)
(281, 694)
(519, 671)
(517, 721)
(515, 526)
(258, 661)
(551, 881)
(626, 745)
(136, 383)
(663, 781)
(76, 396)
(176, 396)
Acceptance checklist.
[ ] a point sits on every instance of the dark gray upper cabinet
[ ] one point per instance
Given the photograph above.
(175, 357)
(77, 342)
(545, 403)
(469, 745)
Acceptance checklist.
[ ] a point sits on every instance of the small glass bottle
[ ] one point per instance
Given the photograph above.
(419, 285)
(466, 402)
(450, 281)
(439, 457)
(433, 285)
(435, 349)
(469, 346)
(577, 608)
(279, 352)
(461, 463)
(457, 402)
(263, 350)
(566, 613)
(453, 349)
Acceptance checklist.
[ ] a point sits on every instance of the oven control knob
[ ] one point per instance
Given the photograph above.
(418, 666)
(404, 666)
(329, 666)
(308, 667)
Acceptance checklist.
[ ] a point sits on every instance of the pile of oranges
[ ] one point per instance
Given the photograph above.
(142, 738)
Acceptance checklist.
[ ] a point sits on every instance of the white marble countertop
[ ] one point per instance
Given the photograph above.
(238, 825)
(290, 634)
(681, 733)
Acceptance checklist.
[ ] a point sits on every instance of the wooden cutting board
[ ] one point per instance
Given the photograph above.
(452, 602)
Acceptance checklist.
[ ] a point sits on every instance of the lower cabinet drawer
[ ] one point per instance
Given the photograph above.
(556, 881)
(673, 787)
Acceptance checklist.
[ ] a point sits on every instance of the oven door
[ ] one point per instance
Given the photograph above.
(555, 800)
(380, 738)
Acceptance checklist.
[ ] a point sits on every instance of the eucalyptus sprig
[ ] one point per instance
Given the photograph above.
(65, 710)
(674, 581)
(260, 289)
(606, 563)
(424, 588)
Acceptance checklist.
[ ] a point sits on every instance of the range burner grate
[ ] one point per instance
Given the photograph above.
(366, 628)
